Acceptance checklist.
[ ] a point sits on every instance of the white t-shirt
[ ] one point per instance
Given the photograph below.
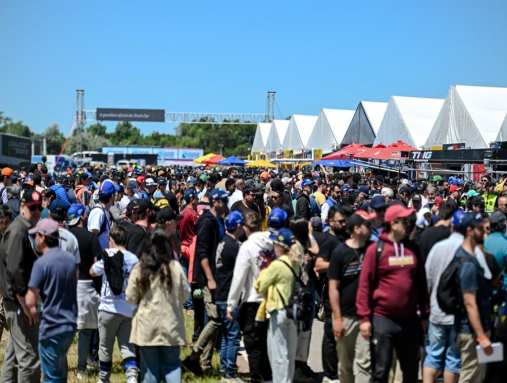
(116, 304)
(69, 243)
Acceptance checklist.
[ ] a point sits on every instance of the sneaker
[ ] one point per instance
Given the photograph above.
(192, 364)
(131, 379)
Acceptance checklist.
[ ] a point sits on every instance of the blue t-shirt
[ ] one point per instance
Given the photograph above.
(472, 280)
(54, 274)
(496, 244)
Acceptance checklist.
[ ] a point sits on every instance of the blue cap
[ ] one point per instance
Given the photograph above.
(217, 194)
(457, 217)
(277, 218)
(346, 188)
(233, 220)
(74, 213)
(189, 195)
(364, 189)
(307, 182)
(132, 185)
(378, 202)
(107, 188)
(462, 220)
(284, 237)
(158, 195)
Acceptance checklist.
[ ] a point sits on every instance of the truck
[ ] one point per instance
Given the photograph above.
(15, 151)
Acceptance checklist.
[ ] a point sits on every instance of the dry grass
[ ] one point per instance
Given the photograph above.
(117, 375)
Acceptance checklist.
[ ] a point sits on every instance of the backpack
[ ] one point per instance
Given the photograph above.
(113, 267)
(300, 305)
(449, 295)
(314, 207)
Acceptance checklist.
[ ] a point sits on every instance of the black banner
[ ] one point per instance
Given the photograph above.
(146, 115)
(17, 147)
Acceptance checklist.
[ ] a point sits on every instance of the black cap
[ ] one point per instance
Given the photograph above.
(166, 214)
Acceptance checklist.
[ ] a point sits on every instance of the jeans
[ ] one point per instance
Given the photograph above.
(53, 356)
(401, 336)
(329, 354)
(255, 338)
(160, 363)
(229, 345)
(282, 344)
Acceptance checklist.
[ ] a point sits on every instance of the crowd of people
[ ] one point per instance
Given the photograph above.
(407, 276)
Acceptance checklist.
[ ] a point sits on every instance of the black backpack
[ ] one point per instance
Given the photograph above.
(113, 267)
(300, 305)
(449, 295)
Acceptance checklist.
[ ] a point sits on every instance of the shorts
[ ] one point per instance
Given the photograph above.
(442, 350)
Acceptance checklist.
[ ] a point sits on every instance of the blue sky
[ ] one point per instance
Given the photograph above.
(222, 56)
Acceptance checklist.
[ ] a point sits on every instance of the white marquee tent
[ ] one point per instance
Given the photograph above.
(261, 135)
(276, 135)
(298, 132)
(365, 124)
(329, 129)
(472, 115)
(409, 119)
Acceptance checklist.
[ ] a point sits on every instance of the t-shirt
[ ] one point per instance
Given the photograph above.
(116, 304)
(68, 243)
(471, 278)
(99, 220)
(496, 244)
(89, 249)
(136, 235)
(225, 260)
(54, 274)
(243, 209)
(329, 243)
(345, 266)
(429, 237)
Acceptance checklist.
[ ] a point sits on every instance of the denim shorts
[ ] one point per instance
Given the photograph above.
(442, 350)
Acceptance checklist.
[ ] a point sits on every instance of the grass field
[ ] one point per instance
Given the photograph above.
(118, 375)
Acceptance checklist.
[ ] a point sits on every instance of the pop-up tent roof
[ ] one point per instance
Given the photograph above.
(299, 131)
(472, 115)
(261, 135)
(365, 124)
(329, 129)
(409, 119)
(276, 135)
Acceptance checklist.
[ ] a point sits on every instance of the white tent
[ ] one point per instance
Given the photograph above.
(261, 135)
(276, 135)
(329, 129)
(365, 124)
(502, 135)
(409, 119)
(299, 131)
(472, 115)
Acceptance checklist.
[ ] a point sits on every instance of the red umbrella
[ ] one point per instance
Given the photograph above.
(346, 151)
(213, 160)
(402, 146)
(370, 152)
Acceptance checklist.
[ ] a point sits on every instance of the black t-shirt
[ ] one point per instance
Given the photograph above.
(89, 250)
(225, 260)
(136, 236)
(328, 242)
(345, 266)
(429, 237)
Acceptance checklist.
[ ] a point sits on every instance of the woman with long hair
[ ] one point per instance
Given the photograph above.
(159, 287)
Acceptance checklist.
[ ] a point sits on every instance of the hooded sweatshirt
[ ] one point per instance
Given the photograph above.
(392, 286)
(254, 254)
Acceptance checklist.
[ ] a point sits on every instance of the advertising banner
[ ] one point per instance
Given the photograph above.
(144, 115)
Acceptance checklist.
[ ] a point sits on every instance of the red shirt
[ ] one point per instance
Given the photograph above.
(187, 225)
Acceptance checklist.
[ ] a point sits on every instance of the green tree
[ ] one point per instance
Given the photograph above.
(18, 128)
(54, 139)
(97, 129)
(126, 134)
(85, 141)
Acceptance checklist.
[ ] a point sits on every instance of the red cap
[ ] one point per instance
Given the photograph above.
(394, 212)
(365, 215)
(439, 201)
(453, 188)
(140, 180)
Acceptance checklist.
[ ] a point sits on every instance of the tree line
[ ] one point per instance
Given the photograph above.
(230, 139)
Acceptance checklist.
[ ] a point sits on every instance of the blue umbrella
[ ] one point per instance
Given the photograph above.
(335, 163)
(232, 160)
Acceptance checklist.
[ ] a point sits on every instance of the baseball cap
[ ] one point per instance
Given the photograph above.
(217, 194)
(405, 188)
(497, 218)
(387, 192)
(107, 188)
(166, 214)
(472, 193)
(45, 226)
(233, 220)
(307, 182)
(283, 237)
(138, 206)
(140, 180)
(132, 184)
(316, 222)
(31, 198)
(378, 202)
(74, 213)
(364, 189)
(277, 218)
(397, 211)
(7, 172)
(453, 188)
(189, 195)
(150, 182)
(355, 220)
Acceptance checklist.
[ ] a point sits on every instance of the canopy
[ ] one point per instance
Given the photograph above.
(369, 152)
(213, 160)
(346, 151)
(409, 119)
(335, 163)
(232, 160)
(201, 159)
(365, 124)
(329, 129)
(402, 146)
(472, 115)
(261, 136)
(260, 164)
(298, 132)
